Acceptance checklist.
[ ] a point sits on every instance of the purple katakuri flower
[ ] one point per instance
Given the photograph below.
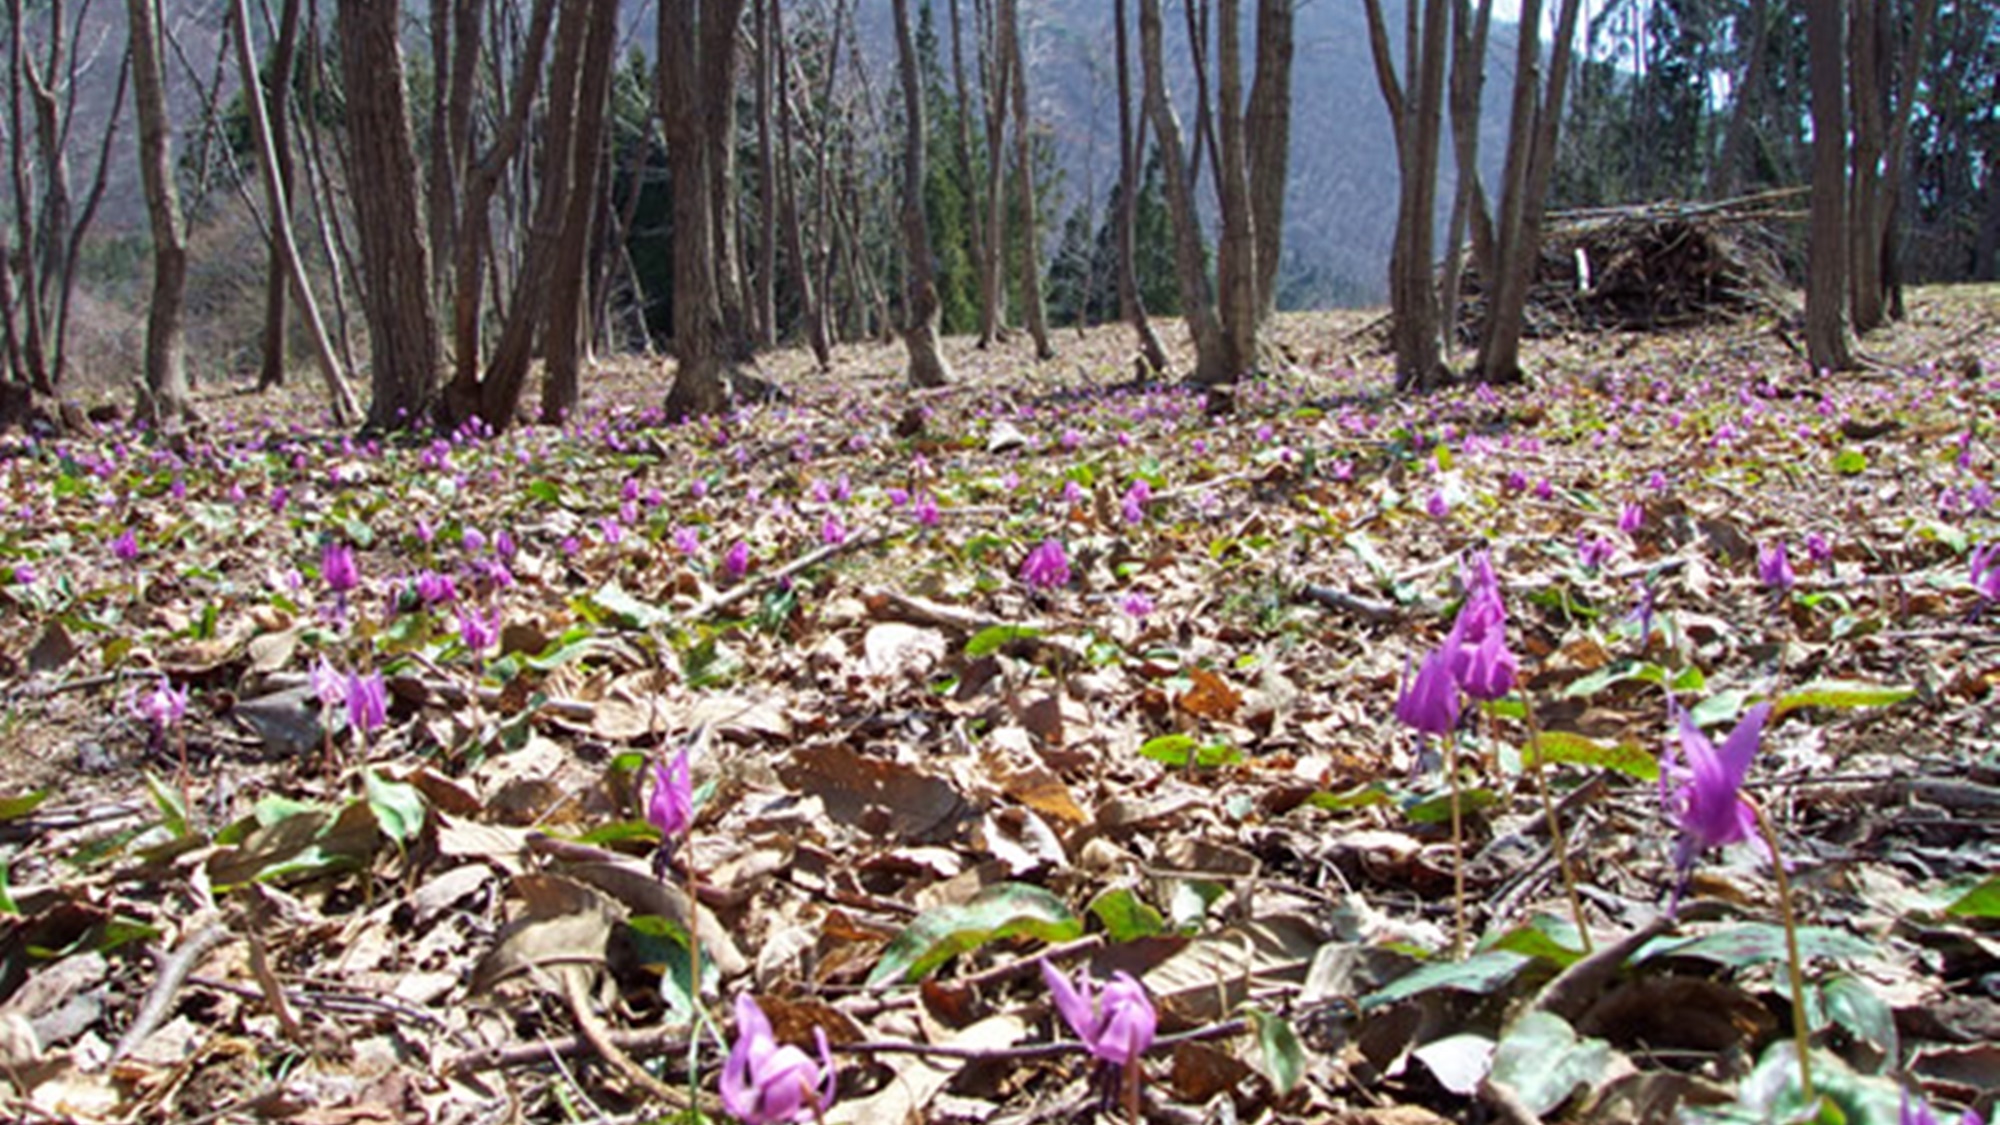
(478, 630)
(1117, 1027)
(1137, 604)
(125, 548)
(164, 706)
(1701, 785)
(1631, 518)
(1133, 507)
(1919, 1112)
(367, 702)
(23, 574)
(1429, 702)
(831, 531)
(765, 1082)
(337, 568)
(1819, 549)
(687, 541)
(1594, 552)
(1986, 571)
(1774, 570)
(436, 589)
(328, 685)
(1046, 567)
(670, 808)
(736, 563)
(926, 511)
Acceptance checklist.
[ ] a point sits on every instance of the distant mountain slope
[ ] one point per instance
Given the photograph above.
(1340, 210)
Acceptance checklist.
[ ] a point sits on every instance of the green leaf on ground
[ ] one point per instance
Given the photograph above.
(1000, 912)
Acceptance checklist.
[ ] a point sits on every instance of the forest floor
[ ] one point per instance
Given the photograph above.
(918, 777)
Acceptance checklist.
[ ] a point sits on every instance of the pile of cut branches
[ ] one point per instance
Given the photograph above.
(1651, 267)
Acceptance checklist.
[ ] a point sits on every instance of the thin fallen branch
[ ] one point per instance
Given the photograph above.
(174, 970)
(722, 599)
(601, 1041)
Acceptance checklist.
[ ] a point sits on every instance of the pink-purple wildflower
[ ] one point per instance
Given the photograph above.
(766, 1083)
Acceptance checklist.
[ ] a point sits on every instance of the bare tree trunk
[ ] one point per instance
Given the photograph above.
(285, 266)
(1468, 78)
(1537, 119)
(1197, 303)
(720, 21)
(1748, 91)
(767, 179)
(975, 211)
(1032, 309)
(1131, 150)
(927, 367)
(1827, 347)
(277, 273)
(703, 380)
(1867, 98)
(994, 75)
(402, 324)
(165, 399)
(483, 177)
(1236, 269)
(1896, 118)
(1415, 115)
(563, 330)
(810, 298)
(536, 282)
(1269, 123)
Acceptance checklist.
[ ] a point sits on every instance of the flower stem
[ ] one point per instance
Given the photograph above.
(1131, 1085)
(1457, 849)
(1801, 1033)
(1556, 838)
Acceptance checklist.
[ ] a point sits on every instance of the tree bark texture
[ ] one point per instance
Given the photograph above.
(1531, 150)
(565, 325)
(1415, 114)
(165, 399)
(1197, 302)
(1131, 150)
(927, 367)
(688, 29)
(395, 260)
(285, 267)
(276, 123)
(1033, 312)
(1827, 345)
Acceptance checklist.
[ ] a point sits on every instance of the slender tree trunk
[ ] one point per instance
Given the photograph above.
(1269, 124)
(720, 21)
(402, 324)
(564, 325)
(1032, 309)
(1415, 116)
(688, 29)
(1868, 112)
(285, 266)
(276, 274)
(165, 399)
(1533, 132)
(975, 208)
(1131, 150)
(927, 367)
(483, 178)
(1827, 347)
(994, 75)
(1728, 172)
(1197, 303)
(767, 179)
(1896, 159)
(810, 297)
(1468, 77)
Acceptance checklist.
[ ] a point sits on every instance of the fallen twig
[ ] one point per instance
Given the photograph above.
(174, 970)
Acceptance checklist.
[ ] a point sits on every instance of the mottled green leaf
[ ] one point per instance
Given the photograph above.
(1000, 912)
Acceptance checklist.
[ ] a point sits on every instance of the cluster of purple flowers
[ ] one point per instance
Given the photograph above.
(1474, 658)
